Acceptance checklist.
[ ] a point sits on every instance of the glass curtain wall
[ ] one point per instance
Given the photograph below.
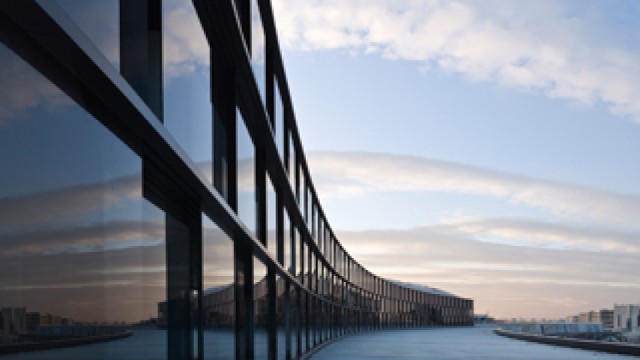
(82, 252)
(186, 74)
(218, 299)
(155, 191)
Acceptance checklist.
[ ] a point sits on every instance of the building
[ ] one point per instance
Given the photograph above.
(584, 317)
(156, 168)
(571, 319)
(13, 321)
(603, 316)
(626, 318)
(606, 318)
(33, 322)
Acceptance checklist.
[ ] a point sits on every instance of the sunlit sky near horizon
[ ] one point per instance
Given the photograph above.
(486, 148)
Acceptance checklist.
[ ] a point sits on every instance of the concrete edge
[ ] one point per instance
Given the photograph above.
(62, 343)
(602, 346)
(309, 354)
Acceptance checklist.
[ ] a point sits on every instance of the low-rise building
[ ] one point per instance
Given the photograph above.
(583, 317)
(626, 318)
(572, 319)
(14, 321)
(606, 318)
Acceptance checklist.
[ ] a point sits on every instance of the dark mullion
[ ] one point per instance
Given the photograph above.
(141, 50)
(244, 303)
(272, 326)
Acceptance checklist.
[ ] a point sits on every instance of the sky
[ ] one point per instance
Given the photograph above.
(489, 149)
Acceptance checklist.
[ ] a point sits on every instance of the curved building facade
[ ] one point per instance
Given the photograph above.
(154, 181)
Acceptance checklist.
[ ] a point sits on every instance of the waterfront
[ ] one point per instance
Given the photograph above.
(431, 343)
(478, 343)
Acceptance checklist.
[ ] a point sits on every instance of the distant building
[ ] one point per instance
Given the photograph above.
(606, 318)
(483, 319)
(583, 317)
(572, 319)
(603, 316)
(33, 322)
(626, 318)
(13, 321)
(554, 328)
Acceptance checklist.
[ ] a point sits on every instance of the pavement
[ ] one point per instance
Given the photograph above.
(477, 343)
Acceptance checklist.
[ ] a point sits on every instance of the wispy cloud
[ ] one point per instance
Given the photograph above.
(185, 48)
(95, 237)
(355, 173)
(558, 49)
(547, 234)
(60, 204)
(23, 89)
(499, 277)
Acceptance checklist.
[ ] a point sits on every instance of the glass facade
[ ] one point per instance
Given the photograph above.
(155, 201)
(99, 21)
(82, 251)
(218, 300)
(186, 83)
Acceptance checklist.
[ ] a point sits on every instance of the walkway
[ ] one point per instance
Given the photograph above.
(477, 343)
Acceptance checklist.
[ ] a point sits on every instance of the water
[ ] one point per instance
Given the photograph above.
(148, 344)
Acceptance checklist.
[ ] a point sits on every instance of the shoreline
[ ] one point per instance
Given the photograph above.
(60, 343)
(601, 346)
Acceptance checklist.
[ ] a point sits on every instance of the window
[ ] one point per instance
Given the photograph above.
(187, 83)
(82, 250)
(246, 176)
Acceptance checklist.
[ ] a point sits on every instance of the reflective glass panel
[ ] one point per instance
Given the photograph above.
(292, 164)
(99, 20)
(187, 83)
(300, 191)
(279, 118)
(83, 253)
(287, 243)
(271, 219)
(218, 297)
(295, 321)
(260, 310)
(258, 60)
(246, 176)
(282, 316)
(304, 321)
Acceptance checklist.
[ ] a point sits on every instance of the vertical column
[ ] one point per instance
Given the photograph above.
(141, 50)
(243, 278)
(224, 130)
(184, 284)
(272, 326)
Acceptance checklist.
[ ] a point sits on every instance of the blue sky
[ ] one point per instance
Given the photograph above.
(506, 133)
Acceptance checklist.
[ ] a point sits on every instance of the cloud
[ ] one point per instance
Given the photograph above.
(185, 47)
(24, 89)
(555, 49)
(505, 280)
(546, 234)
(354, 173)
(60, 204)
(91, 238)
